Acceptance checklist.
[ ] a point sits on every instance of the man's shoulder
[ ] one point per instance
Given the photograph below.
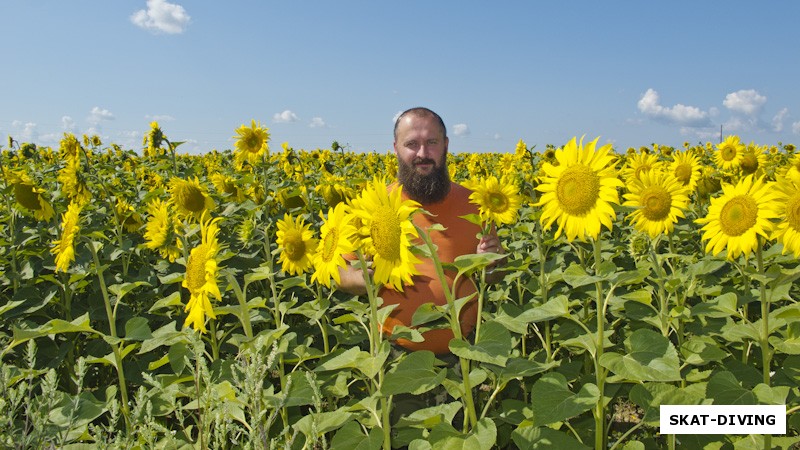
(459, 191)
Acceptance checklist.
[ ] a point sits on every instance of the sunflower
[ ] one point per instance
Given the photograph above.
(160, 231)
(251, 143)
(72, 181)
(153, 139)
(337, 237)
(754, 158)
(659, 199)
(130, 219)
(639, 163)
(297, 244)
(497, 203)
(64, 248)
(229, 186)
(787, 231)
(737, 217)
(387, 233)
(686, 169)
(729, 153)
(201, 276)
(579, 191)
(190, 197)
(30, 197)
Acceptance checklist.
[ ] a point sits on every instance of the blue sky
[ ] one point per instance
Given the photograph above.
(631, 72)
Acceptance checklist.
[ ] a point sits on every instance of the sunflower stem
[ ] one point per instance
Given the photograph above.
(766, 351)
(455, 326)
(116, 348)
(375, 339)
(600, 373)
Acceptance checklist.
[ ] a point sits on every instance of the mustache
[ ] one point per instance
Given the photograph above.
(417, 161)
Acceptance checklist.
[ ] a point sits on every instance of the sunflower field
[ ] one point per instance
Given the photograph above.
(152, 299)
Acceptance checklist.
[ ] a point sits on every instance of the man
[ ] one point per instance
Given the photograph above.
(421, 143)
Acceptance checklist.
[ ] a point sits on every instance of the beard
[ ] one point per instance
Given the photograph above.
(425, 189)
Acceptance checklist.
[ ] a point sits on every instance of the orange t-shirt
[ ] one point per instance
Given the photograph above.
(458, 239)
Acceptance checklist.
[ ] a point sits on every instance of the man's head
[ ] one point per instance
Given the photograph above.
(420, 143)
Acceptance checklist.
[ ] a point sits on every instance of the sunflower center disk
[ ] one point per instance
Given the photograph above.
(578, 190)
(293, 245)
(749, 163)
(193, 199)
(656, 203)
(386, 232)
(329, 245)
(738, 215)
(26, 197)
(684, 173)
(498, 202)
(196, 268)
(793, 212)
(728, 153)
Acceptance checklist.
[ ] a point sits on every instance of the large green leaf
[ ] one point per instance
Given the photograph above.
(530, 437)
(553, 309)
(414, 374)
(552, 401)
(352, 437)
(649, 357)
(576, 276)
(314, 425)
(55, 326)
(493, 345)
(725, 389)
(445, 437)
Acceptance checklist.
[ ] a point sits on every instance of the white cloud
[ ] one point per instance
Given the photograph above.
(460, 129)
(396, 116)
(67, 123)
(497, 137)
(162, 17)
(317, 122)
(748, 102)
(777, 121)
(796, 127)
(679, 114)
(24, 131)
(98, 115)
(285, 117)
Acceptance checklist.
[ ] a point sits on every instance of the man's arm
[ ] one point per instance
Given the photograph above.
(352, 281)
(491, 244)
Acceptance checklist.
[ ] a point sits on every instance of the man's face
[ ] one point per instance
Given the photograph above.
(421, 150)
(420, 143)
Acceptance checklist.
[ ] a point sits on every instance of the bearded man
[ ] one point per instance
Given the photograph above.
(421, 146)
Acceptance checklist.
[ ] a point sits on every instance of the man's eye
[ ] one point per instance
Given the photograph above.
(433, 142)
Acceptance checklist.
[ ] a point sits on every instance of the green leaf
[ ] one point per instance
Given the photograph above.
(493, 345)
(55, 326)
(314, 425)
(137, 329)
(530, 437)
(414, 374)
(552, 401)
(351, 437)
(120, 290)
(445, 437)
(725, 389)
(553, 309)
(427, 312)
(519, 368)
(471, 263)
(701, 350)
(171, 301)
(649, 357)
(576, 276)
(301, 392)
(771, 395)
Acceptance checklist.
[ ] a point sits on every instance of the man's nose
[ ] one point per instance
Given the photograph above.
(423, 151)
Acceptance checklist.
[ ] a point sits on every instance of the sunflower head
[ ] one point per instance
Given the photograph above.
(161, 231)
(497, 203)
(578, 193)
(729, 153)
(787, 231)
(30, 197)
(251, 143)
(190, 197)
(659, 200)
(297, 243)
(738, 217)
(387, 232)
(64, 248)
(201, 275)
(337, 238)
